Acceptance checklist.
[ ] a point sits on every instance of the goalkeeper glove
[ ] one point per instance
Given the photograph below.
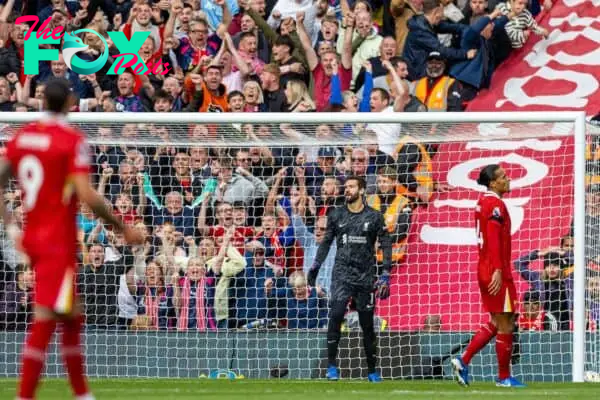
(383, 286)
(313, 272)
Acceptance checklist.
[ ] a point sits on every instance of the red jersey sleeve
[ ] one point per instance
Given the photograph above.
(496, 218)
(79, 160)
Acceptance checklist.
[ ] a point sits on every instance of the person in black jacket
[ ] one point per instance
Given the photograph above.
(356, 228)
(422, 40)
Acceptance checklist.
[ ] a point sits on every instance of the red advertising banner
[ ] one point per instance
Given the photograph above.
(558, 73)
(439, 276)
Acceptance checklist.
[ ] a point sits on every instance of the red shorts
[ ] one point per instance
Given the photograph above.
(503, 302)
(55, 283)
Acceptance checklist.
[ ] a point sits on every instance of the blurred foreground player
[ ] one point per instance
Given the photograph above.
(356, 229)
(494, 273)
(50, 161)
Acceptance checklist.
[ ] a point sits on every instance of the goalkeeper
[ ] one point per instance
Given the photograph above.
(356, 228)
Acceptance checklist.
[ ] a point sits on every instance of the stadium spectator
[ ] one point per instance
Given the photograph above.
(554, 284)
(521, 23)
(413, 163)
(533, 317)
(16, 300)
(126, 301)
(252, 301)
(274, 97)
(10, 256)
(241, 187)
(98, 283)
(155, 301)
(474, 10)
(310, 241)
(422, 40)
(327, 64)
(190, 297)
(306, 306)
(224, 222)
(396, 209)
(359, 166)
(402, 11)
(387, 52)
(437, 90)
(481, 35)
(183, 218)
(223, 269)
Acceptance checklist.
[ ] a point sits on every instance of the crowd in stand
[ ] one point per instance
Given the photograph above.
(230, 231)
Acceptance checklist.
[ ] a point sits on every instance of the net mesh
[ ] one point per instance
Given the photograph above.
(166, 309)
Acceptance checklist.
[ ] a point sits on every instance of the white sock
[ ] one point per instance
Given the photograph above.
(87, 396)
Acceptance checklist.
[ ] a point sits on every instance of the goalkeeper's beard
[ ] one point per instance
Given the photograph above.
(352, 198)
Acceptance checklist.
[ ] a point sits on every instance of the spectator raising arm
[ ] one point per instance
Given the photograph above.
(309, 51)
(273, 193)
(242, 65)
(400, 89)
(203, 227)
(260, 188)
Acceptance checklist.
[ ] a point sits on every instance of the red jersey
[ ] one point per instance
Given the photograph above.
(240, 236)
(43, 156)
(493, 237)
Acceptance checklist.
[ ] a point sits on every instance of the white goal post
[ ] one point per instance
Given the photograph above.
(461, 127)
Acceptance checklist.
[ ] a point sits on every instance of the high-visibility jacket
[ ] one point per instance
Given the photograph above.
(391, 221)
(592, 155)
(435, 99)
(423, 171)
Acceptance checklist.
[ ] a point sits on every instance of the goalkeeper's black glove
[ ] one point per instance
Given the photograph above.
(313, 272)
(383, 286)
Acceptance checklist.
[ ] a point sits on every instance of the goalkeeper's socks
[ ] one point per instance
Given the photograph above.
(72, 357)
(479, 341)
(34, 356)
(504, 344)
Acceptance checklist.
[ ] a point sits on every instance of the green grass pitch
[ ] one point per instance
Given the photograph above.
(200, 389)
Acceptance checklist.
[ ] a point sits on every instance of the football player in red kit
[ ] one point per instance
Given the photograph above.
(50, 162)
(494, 275)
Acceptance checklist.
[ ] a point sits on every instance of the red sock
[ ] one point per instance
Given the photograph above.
(479, 341)
(34, 356)
(504, 344)
(72, 357)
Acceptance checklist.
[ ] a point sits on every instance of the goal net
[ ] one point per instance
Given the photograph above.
(195, 301)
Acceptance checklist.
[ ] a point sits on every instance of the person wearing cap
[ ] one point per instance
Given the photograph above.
(316, 172)
(437, 90)
(553, 285)
(422, 40)
(533, 317)
(274, 97)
